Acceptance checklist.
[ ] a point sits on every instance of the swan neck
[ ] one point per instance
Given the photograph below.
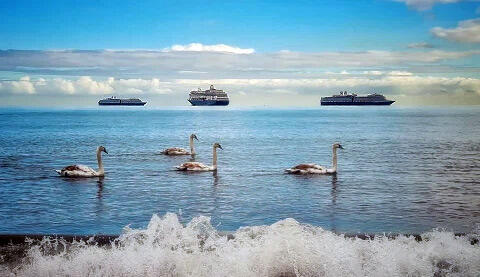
(334, 159)
(99, 160)
(214, 157)
(192, 148)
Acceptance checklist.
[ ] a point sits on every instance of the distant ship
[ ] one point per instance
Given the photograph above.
(210, 97)
(345, 99)
(114, 101)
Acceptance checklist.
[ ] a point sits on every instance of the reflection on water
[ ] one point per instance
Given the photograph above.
(100, 187)
(215, 178)
(333, 195)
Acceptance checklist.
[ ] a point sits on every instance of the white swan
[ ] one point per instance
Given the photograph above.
(174, 151)
(195, 166)
(315, 168)
(85, 171)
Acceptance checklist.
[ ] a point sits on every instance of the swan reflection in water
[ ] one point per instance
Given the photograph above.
(333, 194)
(100, 187)
(215, 178)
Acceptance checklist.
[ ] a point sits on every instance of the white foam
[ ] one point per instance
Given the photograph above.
(286, 248)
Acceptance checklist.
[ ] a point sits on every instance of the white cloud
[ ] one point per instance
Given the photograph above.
(198, 47)
(22, 86)
(466, 31)
(58, 85)
(423, 5)
(88, 85)
(191, 72)
(373, 72)
(420, 45)
(400, 73)
(84, 85)
(140, 86)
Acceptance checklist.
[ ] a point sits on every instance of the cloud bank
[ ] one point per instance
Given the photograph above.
(395, 82)
(172, 72)
(88, 62)
(84, 85)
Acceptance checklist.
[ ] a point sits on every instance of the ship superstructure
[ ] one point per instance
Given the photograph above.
(345, 99)
(209, 97)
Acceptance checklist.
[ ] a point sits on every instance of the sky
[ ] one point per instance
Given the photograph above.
(263, 53)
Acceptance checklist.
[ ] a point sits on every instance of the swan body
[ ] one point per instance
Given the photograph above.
(82, 171)
(315, 168)
(196, 166)
(176, 151)
(309, 169)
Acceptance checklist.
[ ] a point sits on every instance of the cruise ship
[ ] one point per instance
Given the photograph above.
(210, 97)
(114, 101)
(345, 99)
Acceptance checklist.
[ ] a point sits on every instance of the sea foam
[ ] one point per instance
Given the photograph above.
(287, 248)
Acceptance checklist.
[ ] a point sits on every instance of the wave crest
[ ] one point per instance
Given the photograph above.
(286, 248)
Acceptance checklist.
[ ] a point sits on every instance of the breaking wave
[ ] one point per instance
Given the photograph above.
(286, 248)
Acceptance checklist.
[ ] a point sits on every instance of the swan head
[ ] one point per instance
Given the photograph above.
(102, 149)
(337, 145)
(217, 145)
(193, 136)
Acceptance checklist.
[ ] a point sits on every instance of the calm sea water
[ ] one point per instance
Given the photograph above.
(403, 169)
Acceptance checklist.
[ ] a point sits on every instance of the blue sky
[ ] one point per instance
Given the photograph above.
(270, 25)
(427, 30)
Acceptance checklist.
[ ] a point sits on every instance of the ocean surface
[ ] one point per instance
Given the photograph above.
(403, 170)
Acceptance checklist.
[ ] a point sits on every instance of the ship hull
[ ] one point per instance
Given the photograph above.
(383, 103)
(122, 104)
(209, 102)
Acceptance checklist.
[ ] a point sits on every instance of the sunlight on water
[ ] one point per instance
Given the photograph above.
(285, 248)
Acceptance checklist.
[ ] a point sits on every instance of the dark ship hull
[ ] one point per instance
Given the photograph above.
(384, 103)
(209, 102)
(122, 104)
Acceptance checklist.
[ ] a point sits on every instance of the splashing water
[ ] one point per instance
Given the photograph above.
(286, 248)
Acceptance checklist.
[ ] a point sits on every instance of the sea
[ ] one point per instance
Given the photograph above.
(403, 170)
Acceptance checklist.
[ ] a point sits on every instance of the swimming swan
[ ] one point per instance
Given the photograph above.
(85, 171)
(174, 151)
(195, 166)
(317, 169)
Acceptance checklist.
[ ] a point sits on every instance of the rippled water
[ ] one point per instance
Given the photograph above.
(402, 170)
